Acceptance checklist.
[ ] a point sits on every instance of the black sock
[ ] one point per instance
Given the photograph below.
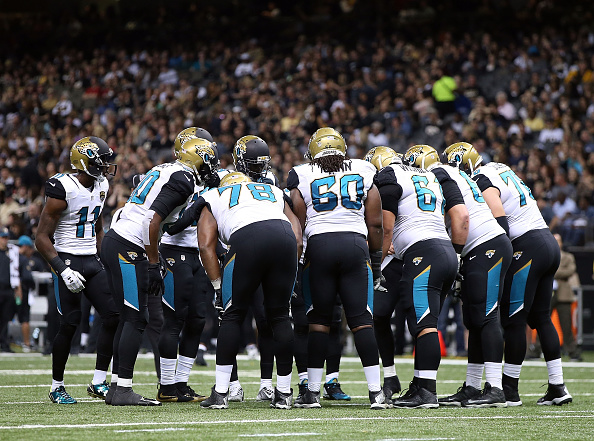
(492, 342)
(549, 341)
(515, 343)
(510, 381)
(385, 339)
(317, 345)
(300, 348)
(366, 346)
(475, 351)
(427, 352)
(334, 349)
(428, 384)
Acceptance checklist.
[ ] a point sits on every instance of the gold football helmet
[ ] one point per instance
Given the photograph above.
(326, 142)
(421, 156)
(200, 155)
(251, 156)
(91, 156)
(189, 133)
(234, 178)
(463, 155)
(382, 156)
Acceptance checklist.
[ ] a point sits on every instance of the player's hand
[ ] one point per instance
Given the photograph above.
(391, 250)
(218, 303)
(73, 279)
(156, 285)
(266, 181)
(378, 284)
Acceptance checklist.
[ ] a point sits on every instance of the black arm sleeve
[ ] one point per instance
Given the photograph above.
(483, 182)
(451, 191)
(55, 189)
(189, 215)
(385, 177)
(502, 220)
(390, 194)
(288, 200)
(173, 194)
(292, 180)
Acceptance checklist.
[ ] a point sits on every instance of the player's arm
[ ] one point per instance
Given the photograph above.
(390, 192)
(99, 233)
(208, 237)
(375, 233)
(190, 214)
(50, 216)
(455, 209)
(296, 226)
(298, 204)
(173, 194)
(492, 197)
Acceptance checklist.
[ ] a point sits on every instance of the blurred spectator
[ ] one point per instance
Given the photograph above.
(10, 286)
(444, 92)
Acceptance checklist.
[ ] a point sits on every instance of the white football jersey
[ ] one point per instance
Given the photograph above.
(482, 225)
(420, 208)
(334, 201)
(520, 207)
(75, 232)
(238, 205)
(189, 237)
(129, 221)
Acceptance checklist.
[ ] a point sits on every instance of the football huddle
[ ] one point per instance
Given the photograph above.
(347, 238)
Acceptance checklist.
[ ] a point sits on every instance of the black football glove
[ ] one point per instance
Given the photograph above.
(156, 285)
(376, 269)
(266, 181)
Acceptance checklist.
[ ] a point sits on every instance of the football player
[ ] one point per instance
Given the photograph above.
(264, 239)
(71, 219)
(412, 197)
(184, 303)
(384, 302)
(339, 208)
(130, 251)
(485, 259)
(529, 280)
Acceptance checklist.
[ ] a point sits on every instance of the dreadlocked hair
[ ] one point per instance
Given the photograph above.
(331, 163)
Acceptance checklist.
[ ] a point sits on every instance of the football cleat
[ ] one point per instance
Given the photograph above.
(378, 400)
(236, 394)
(186, 391)
(98, 390)
(332, 391)
(60, 396)
(281, 400)
(112, 388)
(557, 394)
(216, 400)
(512, 397)
(302, 388)
(391, 386)
(308, 400)
(200, 361)
(464, 393)
(125, 396)
(170, 394)
(489, 397)
(265, 394)
(417, 398)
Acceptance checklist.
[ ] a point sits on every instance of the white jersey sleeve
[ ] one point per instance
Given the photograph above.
(170, 179)
(334, 201)
(420, 207)
(482, 225)
(75, 232)
(520, 207)
(238, 205)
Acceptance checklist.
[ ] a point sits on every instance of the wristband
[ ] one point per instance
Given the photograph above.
(58, 265)
(216, 283)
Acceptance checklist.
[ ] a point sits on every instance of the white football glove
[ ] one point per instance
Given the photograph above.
(73, 280)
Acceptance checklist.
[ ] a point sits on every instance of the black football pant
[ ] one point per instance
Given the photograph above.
(69, 307)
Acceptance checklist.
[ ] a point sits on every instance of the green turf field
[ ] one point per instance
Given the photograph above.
(27, 414)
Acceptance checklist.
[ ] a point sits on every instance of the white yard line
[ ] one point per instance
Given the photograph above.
(267, 435)
(557, 415)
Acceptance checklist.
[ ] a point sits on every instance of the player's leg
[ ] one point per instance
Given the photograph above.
(265, 346)
(356, 293)
(539, 318)
(98, 294)
(280, 261)
(68, 304)
(428, 272)
(332, 387)
(300, 331)
(384, 304)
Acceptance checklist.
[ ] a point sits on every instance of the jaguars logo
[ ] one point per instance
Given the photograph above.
(132, 255)
(102, 196)
(206, 153)
(417, 260)
(412, 154)
(89, 149)
(490, 253)
(170, 261)
(517, 255)
(185, 137)
(240, 149)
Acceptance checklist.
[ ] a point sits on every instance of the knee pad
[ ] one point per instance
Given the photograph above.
(195, 325)
(137, 319)
(111, 321)
(281, 330)
(537, 320)
(360, 320)
(73, 318)
(429, 321)
(473, 321)
(264, 328)
(67, 329)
